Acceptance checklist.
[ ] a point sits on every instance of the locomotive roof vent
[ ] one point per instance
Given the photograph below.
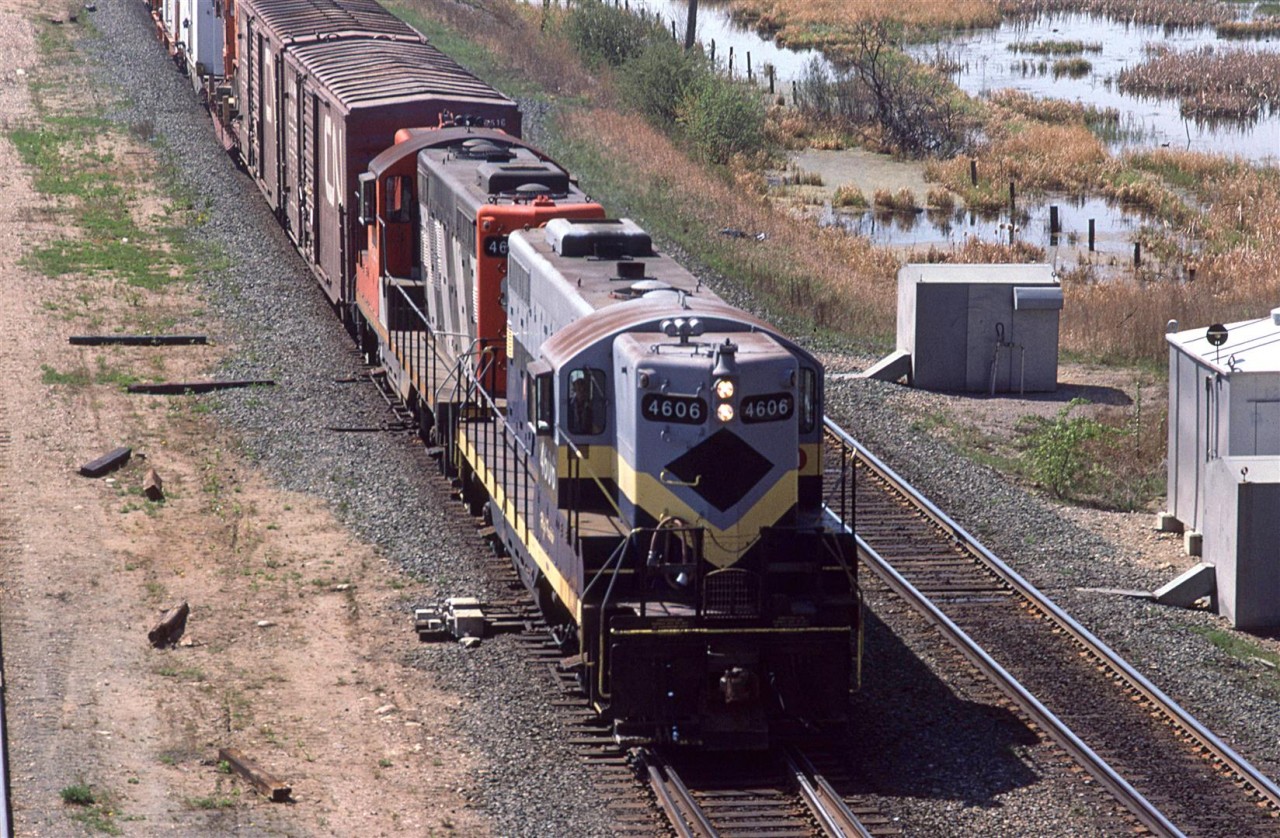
(641, 289)
(614, 239)
(478, 149)
(497, 178)
(630, 270)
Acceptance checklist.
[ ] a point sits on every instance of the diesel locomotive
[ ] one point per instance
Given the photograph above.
(649, 455)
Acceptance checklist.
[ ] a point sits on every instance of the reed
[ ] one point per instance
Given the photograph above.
(1057, 111)
(1054, 48)
(849, 196)
(1231, 84)
(1074, 68)
(1168, 13)
(904, 200)
(826, 24)
(1256, 29)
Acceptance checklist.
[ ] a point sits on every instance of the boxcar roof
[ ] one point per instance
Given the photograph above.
(317, 18)
(361, 72)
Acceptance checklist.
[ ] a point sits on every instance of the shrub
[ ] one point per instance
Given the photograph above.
(849, 196)
(657, 79)
(720, 118)
(608, 34)
(940, 198)
(1058, 460)
(78, 795)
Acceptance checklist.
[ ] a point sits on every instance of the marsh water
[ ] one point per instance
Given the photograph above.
(986, 63)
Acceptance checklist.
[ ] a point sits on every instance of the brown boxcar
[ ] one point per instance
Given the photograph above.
(323, 89)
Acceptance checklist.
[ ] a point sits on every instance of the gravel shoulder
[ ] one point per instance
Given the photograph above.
(334, 538)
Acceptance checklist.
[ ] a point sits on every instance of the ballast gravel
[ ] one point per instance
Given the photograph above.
(383, 487)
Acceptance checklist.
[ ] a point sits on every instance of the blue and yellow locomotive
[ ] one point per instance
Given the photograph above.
(655, 472)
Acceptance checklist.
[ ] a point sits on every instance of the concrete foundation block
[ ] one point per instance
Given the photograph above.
(1193, 543)
(1200, 581)
(1168, 522)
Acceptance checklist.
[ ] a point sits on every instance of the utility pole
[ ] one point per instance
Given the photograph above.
(691, 27)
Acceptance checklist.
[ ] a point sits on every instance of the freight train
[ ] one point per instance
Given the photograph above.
(648, 455)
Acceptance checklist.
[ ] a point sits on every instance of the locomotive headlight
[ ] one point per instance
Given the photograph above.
(724, 389)
(725, 413)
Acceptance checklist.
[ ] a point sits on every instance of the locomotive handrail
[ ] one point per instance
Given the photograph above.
(561, 437)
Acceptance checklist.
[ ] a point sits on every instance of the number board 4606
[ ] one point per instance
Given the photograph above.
(683, 410)
(774, 407)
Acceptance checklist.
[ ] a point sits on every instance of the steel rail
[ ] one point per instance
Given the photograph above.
(834, 816)
(686, 816)
(1242, 768)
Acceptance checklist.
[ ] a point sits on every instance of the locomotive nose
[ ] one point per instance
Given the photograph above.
(738, 686)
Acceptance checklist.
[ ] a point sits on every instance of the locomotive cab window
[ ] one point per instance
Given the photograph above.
(540, 394)
(586, 402)
(808, 400)
(368, 198)
(399, 197)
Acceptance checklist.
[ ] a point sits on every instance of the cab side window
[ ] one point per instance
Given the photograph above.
(587, 403)
(808, 400)
(399, 195)
(540, 401)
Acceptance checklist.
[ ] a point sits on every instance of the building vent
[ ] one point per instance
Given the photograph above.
(1037, 298)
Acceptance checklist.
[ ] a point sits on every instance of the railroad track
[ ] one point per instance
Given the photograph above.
(779, 794)
(1174, 775)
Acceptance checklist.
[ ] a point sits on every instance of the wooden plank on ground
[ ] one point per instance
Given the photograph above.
(138, 340)
(272, 788)
(179, 388)
(108, 462)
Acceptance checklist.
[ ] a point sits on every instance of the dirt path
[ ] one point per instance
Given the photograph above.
(297, 632)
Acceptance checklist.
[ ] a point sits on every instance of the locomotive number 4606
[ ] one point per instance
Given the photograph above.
(684, 410)
(771, 408)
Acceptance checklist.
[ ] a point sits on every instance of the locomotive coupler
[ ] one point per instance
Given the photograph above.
(738, 686)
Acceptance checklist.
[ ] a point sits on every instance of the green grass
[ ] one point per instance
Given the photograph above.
(69, 155)
(1235, 646)
(79, 794)
(94, 811)
(74, 378)
(210, 802)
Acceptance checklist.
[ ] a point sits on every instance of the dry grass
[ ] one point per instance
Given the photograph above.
(842, 282)
(1233, 84)
(825, 24)
(838, 280)
(904, 200)
(1056, 111)
(849, 196)
(1153, 12)
(1258, 28)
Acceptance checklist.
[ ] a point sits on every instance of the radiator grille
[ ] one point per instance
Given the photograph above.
(731, 594)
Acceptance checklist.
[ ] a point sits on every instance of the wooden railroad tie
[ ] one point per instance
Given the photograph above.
(179, 388)
(108, 462)
(273, 789)
(138, 340)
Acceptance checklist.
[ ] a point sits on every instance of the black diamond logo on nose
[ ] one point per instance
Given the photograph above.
(723, 466)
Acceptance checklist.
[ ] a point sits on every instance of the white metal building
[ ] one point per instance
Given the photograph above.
(979, 328)
(1224, 460)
